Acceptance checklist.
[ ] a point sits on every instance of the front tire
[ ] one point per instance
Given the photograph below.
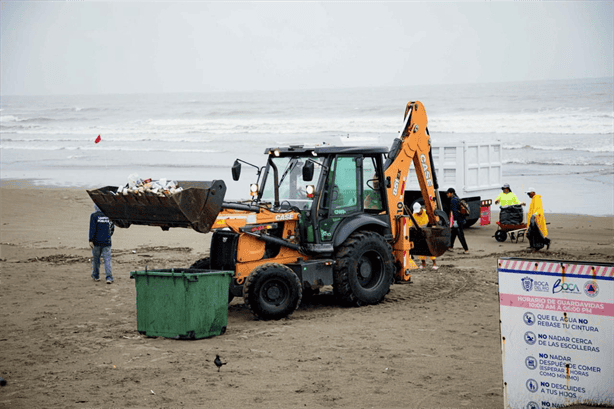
(364, 269)
(272, 291)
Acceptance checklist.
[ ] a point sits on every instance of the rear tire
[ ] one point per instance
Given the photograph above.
(272, 291)
(364, 269)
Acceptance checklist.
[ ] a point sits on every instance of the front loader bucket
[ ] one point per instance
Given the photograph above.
(196, 206)
(430, 241)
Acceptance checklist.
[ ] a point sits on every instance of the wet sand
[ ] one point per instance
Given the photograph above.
(67, 341)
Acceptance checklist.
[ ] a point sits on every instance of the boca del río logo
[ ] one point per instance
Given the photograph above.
(527, 283)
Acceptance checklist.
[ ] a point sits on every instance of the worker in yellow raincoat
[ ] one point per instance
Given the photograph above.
(422, 219)
(537, 231)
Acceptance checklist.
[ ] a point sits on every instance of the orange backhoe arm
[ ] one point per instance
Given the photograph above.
(415, 146)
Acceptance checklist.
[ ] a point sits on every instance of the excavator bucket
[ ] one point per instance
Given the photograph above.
(430, 241)
(196, 206)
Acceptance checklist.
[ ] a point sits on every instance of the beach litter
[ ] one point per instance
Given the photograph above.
(136, 185)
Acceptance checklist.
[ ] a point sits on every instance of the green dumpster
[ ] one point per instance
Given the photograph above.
(181, 303)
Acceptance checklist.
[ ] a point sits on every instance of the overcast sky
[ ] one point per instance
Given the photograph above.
(145, 47)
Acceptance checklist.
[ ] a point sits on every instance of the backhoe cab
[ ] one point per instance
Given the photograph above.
(318, 216)
(334, 190)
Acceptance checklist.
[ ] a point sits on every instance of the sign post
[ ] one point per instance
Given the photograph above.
(557, 332)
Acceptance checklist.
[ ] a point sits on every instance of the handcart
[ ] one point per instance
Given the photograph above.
(515, 232)
(511, 222)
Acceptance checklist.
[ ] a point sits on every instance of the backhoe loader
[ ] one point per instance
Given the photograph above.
(318, 216)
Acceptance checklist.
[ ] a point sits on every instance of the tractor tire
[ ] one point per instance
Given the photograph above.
(202, 264)
(205, 264)
(272, 291)
(364, 269)
(500, 236)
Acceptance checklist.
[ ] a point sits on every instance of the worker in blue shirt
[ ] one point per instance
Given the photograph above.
(101, 230)
(458, 220)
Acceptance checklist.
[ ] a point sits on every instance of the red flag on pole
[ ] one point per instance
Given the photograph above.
(98, 139)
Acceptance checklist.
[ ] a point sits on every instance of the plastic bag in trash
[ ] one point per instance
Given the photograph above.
(161, 187)
(511, 215)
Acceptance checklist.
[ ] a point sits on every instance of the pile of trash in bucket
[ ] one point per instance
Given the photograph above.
(161, 187)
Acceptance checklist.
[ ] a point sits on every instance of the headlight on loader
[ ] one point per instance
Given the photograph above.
(253, 189)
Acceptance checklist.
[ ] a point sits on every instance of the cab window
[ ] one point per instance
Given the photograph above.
(372, 197)
(345, 187)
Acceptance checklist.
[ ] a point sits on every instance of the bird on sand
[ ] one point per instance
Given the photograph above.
(218, 362)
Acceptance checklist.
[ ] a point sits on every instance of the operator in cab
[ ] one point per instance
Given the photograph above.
(507, 197)
(372, 197)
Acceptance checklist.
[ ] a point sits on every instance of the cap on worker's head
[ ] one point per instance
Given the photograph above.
(451, 190)
(529, 190)
(417, 207)
(506, 186)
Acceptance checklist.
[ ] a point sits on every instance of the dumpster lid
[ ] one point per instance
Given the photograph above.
(179, 272)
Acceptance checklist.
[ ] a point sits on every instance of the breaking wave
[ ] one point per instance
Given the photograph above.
(558, 162)
(595, 149)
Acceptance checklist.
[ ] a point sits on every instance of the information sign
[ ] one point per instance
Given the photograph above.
(557, 332)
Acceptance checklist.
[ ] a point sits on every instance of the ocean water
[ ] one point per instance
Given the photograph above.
(557, 136)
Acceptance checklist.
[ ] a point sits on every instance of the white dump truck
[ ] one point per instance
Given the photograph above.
(474, 170)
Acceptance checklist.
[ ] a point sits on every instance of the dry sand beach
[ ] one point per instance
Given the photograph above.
(66, 341)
